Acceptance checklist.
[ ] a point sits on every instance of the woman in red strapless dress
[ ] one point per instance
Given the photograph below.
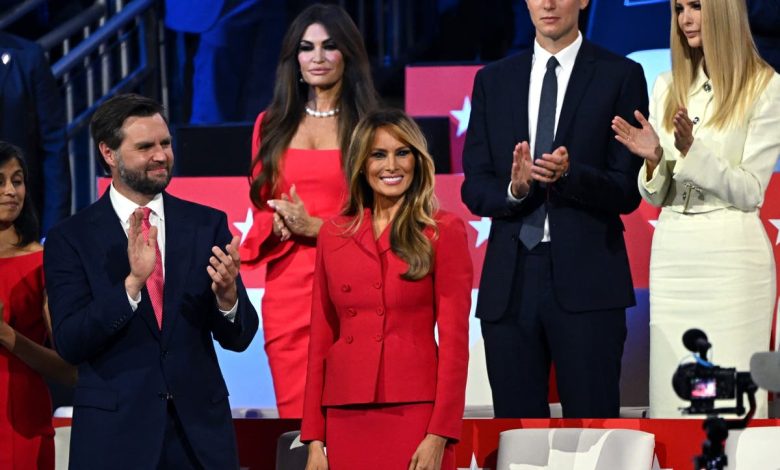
(323, 87)
(26, 433)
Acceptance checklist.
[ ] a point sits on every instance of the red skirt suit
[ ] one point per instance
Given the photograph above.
(377, 380)
(26, 433)
(286, 306)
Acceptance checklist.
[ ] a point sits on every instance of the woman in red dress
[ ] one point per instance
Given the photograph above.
(26, 433)
(380, 392)
(323, 87)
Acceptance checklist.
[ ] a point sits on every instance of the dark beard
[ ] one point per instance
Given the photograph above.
(139, 182)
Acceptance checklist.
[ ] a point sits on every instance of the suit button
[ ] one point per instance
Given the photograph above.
(351, 311)
(165, 396)
(377, 285)
(380, 311)
(378, 338)
(514, 238)
(164, 354)
(345, 288)
(348, 339)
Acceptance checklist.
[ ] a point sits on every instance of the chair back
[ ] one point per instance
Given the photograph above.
(575, 449)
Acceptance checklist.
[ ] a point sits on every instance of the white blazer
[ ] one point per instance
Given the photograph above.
(724, 167)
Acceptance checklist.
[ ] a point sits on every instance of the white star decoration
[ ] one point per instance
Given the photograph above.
(462, 115)
(482, 226)
(244, 226)
(473, 465)
(653, 222)
(776, 223)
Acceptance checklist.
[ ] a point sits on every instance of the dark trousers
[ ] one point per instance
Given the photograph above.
(177, 453)
(586, 348)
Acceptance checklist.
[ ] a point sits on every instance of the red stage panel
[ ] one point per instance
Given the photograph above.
(676, 440)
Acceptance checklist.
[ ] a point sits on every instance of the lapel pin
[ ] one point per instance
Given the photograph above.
(6, 57)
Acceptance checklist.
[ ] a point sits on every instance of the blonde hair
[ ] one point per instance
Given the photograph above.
(737, 73)
(407, 236)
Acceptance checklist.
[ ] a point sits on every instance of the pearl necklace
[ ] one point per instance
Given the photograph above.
(322, 114)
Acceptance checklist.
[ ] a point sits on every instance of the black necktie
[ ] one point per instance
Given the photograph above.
(532, 230)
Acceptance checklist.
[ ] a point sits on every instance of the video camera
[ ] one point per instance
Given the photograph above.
(702, 382)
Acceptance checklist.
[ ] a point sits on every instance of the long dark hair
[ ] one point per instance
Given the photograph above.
(285, 112)
(416, 215)
(26, 225)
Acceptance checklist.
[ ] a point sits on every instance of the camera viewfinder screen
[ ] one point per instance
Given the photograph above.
(703, 388)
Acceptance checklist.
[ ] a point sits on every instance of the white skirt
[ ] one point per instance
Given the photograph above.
(716, 272)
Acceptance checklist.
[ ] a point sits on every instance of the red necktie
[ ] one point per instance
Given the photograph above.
(154, 285)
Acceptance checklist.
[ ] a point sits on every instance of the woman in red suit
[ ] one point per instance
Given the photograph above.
(379, 391)
(26, 433)
(323, 87)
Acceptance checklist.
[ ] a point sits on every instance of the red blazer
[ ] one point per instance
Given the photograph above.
(372, 332)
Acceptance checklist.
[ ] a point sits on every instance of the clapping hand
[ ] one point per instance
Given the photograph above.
(521, 170)
(291, 214)
(550, 167)
(141, 253)
(223, 270)
(642, 141)
(683, 131)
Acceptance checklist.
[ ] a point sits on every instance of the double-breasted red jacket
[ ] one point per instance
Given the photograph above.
(372, 332)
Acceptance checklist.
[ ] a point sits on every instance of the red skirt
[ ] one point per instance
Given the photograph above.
(378, 437)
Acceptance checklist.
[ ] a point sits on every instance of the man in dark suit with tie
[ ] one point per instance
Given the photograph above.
(555, 281)
(139, 283)
(32, 117)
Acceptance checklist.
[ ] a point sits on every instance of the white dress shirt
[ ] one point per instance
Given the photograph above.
(124, 208)
(566, 58)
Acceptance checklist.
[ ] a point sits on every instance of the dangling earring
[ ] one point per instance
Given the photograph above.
(300, 77)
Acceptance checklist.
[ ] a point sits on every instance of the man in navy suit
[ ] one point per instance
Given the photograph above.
(556, 281)
(32, 116)
(139, 283)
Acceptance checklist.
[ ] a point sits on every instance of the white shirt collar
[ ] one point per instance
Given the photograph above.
(124, 206)
(566, 56)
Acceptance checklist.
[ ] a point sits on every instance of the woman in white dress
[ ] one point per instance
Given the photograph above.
(710, 148)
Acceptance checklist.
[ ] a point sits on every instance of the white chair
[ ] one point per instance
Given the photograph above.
(61, 447)
(575, 449)
(753, 449)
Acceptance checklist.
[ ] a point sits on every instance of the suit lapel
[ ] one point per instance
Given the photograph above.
(109, 237)
(364, 237)
(179, 240)
(518, 97)
(581, 75)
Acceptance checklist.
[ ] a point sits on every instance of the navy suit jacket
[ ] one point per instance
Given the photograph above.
(590, 265)
(128, 367)
(32, 117)
(765, 24)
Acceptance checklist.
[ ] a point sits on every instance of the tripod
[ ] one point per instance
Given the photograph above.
(717, 429)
